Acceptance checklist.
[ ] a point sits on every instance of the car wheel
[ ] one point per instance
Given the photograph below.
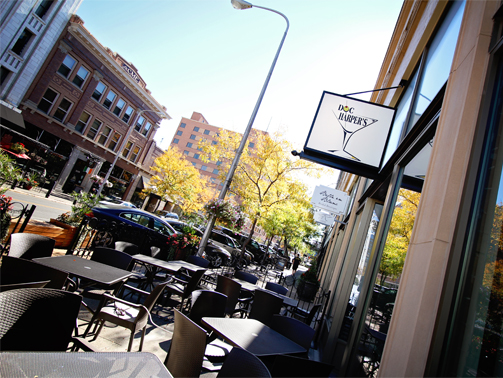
(216, 262)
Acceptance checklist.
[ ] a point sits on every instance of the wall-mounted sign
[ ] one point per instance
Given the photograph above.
(131, 72)
(329, 199)
(350, 133)
(324, 218)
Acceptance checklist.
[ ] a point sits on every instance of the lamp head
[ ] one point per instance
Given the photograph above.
(241, 4)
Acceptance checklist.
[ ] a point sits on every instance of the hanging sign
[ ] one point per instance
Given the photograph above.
(329, 199)
(324, 218)
(349, 134)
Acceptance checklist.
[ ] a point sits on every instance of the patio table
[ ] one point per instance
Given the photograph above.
(287, 301)
(87, 269)
(81, 365)
(254, 336)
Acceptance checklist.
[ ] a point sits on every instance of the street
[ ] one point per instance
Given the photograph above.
(46, 208)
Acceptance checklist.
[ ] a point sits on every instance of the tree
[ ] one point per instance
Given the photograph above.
(399, 233)
(8, 170)
(266, 174)
(178, 180)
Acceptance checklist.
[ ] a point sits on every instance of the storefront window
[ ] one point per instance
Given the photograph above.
(475, 347)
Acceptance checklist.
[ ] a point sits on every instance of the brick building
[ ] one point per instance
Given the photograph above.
(91, 109)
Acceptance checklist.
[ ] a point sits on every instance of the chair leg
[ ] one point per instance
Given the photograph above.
(96, 334)
(131, 341)
(144, 330)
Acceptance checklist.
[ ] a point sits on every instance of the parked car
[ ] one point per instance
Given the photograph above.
(133, 225)
(215, 254)
(167, 214)
(253, 247)
(232, 246)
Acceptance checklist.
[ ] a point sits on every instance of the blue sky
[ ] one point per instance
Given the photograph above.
(205, 56)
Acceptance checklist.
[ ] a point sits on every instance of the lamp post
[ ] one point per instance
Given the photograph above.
(241, 4)
(123, 144)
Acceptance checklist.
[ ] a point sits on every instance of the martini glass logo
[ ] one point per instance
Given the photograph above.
(351, 123)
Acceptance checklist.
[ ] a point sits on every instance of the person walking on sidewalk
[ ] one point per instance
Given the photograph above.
(296, 262)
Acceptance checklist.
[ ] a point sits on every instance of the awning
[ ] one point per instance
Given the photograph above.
(10, 117)
(45, 146)
(22, 156)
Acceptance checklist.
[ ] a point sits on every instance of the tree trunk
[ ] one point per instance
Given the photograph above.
(247, 241)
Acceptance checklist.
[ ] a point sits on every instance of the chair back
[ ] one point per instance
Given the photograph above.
(312, 313)
(193, 283)
(207, 303)
(129, 248)
(30, 246)
(245, 276)
(37, 319)
(199, 261)
(277, 288)
(15, 270)
(241, 363)
(290, 366)
(113, 257)
(155, 251)
(149, 303)
(186, 353)
(231, 289)
(297, 331)
(264, 306)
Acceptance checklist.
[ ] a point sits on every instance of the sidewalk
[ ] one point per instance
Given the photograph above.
(56, 195)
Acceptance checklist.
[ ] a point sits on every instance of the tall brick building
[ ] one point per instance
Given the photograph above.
(91, 108)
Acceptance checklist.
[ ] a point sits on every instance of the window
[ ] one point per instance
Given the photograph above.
(175, 141)
(47, 101)
(196, 156)
(127, 114)
(139, 123)
(215, 171)
(199, 148)
(82, 122)
(251, 145)
(115, 140)
(196, 128)
(127, 149)
(207, 132)
(67, 66)
(98, 92)
(179, 132)
(134, 155)
(219, 163)
(62, 111)
(146, 129)
(4, 74)
(204, 167)
(118, 107)
(189, 145)
(22, 42)
(109, 100)
(162, 228)
(137, 218)
(93, 130)
(182, 125)
(214, 142)
(43, 8)
(104, 135)
(192, 136)
(186, 152)
(80, 77)
(194, 164)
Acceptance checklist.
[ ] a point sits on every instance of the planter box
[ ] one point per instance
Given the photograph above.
(307, 290)
(61, 232)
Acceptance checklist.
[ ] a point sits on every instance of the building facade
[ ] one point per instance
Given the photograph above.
(443, 316)
(92, 116)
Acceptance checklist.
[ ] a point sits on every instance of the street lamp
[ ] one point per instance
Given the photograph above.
(123, 145)
(241, 4)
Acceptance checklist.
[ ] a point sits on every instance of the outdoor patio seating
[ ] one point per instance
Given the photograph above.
(39, 320)
(184, 288)
(129, 248)
(294, 329)
(305, 315)
(17, 271)
(241, 363)
(126, 314)
(206, 303)
(277, 288)
(264, 306)
(186, 352)
(29, 246)
(231, 289)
